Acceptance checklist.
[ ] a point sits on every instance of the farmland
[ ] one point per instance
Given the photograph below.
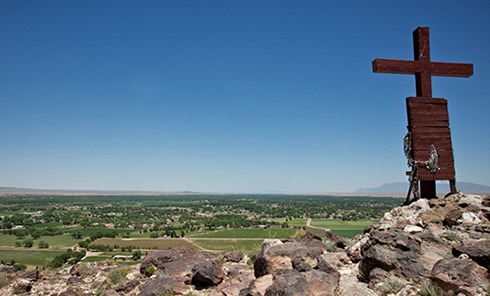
(29, 257)
(34, 227)
(248, 233)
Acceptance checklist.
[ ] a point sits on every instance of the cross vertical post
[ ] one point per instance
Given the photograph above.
(421, 51)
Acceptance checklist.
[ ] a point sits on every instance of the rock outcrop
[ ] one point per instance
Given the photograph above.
(423, 240)
(296, 269)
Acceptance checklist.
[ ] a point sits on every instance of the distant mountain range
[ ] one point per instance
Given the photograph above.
(441, 187)
(15, 190)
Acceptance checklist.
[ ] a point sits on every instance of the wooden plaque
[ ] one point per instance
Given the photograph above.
(428, 122)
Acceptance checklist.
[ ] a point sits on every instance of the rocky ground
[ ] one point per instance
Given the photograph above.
(431, 247)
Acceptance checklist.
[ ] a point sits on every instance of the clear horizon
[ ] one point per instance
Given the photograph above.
(222, 96)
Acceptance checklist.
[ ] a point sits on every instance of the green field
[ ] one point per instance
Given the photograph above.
(297, 222)
(346, 229)
(339, 224)
(96, 258)
(229, 245)
(29, 257)
(104, 256)
(7, 240)
(248, 233)
(56, 242)
(155, 243)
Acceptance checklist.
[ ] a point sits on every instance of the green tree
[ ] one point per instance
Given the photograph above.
(19, 266)
(136, 255)
(77, 234)
(28, 243)
(43, 245)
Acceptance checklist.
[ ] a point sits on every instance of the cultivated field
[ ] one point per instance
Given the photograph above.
(29, 257)
(238, 245)
(56, 241)
(145, 244)
(247, 233)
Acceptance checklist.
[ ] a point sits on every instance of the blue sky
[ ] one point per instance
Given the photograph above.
(228, 96)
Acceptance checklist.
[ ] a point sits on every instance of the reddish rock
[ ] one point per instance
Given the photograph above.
(460, 276)
(337, 240)
(207, 274)
(83, 269)
(478, 251)
(312, 283)
(156, 286)
(377, 277)
(335, 259)
(22, 286)
(259, 286)
(285, 256)
(288, 282)
(75, 281)
(452, 217)
(392, 250)
(127, 287)
(232, 257)
(177, 262)
(238, 277)
(486, 201)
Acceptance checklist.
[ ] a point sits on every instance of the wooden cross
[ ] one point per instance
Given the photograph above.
(428, 119)
(422, 67)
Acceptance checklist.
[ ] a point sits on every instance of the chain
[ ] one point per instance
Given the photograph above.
(431, 164)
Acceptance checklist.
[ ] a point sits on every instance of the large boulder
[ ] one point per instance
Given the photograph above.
(288, 283)
(83, 269)
(238, 277)
(452, 217)
(289, 255)
(165, 284)
(478, 251)
(127, 287)
(338, 241)
(22, 286)
(178, 269)
(232, 257)
(175, 261)
(207, 273)
(259, 286)
(410, 214)
(392, 250)
(291, 282)
(460, 276)
(291, 268)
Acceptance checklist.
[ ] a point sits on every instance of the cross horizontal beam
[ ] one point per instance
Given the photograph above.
(414, 67)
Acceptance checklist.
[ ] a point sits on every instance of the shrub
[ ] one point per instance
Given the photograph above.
(330, 246)
(150, 270)
(136, 255)
(43, 245)
(118, 275)
(68, 256)
(392, 287)
(3, 279)
(427, 288)
(19, 266)
(28, 243)
(452, 236)
(298, 235)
